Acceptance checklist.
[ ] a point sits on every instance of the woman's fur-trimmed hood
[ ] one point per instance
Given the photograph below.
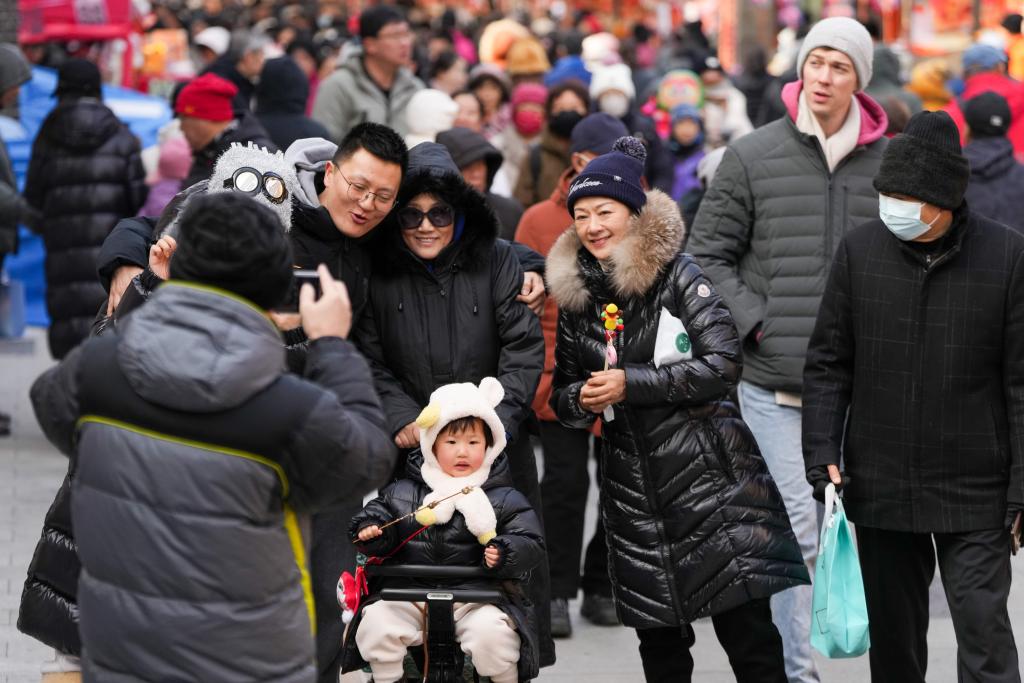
(652, 241)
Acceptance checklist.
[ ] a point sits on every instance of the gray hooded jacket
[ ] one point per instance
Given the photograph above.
(193, 454)
(349, 97)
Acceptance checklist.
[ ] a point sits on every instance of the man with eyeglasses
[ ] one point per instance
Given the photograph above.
(374, 83)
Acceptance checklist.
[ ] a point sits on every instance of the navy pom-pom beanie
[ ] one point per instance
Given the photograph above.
(617, 175)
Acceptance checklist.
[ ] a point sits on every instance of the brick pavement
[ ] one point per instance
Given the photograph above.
(31, 470)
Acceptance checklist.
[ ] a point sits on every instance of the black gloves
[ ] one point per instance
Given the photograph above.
(819, 479)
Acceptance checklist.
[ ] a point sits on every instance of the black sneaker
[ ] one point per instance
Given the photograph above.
(561, 626)
(599, 610)
(5, 424)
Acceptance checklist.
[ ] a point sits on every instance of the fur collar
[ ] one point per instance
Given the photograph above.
(652, 242)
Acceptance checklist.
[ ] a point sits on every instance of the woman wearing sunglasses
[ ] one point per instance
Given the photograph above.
(443, 309)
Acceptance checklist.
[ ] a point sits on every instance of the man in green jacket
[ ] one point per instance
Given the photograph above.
(766, 231)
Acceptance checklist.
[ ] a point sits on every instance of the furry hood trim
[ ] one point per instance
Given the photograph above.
(652, 241)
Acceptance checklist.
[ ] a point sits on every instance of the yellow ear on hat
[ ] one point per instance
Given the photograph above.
(429, 416)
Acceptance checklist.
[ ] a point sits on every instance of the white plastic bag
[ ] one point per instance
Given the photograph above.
(673, 343)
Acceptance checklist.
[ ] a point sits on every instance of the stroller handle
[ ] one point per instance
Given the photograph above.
(433, 594)
(428, 571)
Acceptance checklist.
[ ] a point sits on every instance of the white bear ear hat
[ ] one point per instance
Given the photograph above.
(447, 404)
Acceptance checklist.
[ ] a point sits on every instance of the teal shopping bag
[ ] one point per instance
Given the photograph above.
(839, 613)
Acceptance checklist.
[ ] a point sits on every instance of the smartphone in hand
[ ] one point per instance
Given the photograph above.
(299, 278)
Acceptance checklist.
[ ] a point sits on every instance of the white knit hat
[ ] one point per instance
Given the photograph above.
(846, 35)
(447, 404)
(613, 77)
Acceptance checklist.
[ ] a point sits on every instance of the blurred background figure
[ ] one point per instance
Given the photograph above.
(567, 103)
(429, 113)
(449, 73)
(86, 173)
(281, 99)
(997, 179)
(471, 111)
(687, 147)
(928, 81)
(242, 65)
(211, 44)
(172, 168)
(479, 161)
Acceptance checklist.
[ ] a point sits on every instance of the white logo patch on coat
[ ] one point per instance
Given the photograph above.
(703, 291)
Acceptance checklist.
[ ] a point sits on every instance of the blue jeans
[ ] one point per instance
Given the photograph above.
(777, 430)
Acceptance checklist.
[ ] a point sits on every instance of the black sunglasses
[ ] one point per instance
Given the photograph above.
(249, 181)
(440, 216)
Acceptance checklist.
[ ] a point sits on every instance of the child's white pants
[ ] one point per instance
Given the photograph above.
(485, 633)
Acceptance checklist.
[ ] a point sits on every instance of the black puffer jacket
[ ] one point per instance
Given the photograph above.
(695, 523)
(49, 608)
(456, 320)
(85, 174)
(201, 454)
(520, 539)
(281, 103)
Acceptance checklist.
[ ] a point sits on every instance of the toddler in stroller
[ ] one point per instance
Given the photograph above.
(455, 508)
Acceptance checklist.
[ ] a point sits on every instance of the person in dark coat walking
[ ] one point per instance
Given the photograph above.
(281, 97)
(492, 527)
(915, 383)
(443, 309)
(997, 179)
(479, 161)
(85, 173)
(210, 124)
(185, 421)
(695, 524)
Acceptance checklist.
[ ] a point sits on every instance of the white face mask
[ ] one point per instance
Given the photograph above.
(614, 104)
(903, 218)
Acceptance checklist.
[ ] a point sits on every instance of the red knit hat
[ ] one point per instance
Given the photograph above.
(207, 97)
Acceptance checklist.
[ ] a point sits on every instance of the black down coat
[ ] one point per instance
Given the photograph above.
(455, 320)
(520, 539)
(915, 375)
(85, 174)
(694, 521)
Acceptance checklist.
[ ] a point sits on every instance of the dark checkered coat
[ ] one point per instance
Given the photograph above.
(926, 352)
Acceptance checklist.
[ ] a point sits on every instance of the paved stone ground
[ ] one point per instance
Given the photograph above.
(31, 471)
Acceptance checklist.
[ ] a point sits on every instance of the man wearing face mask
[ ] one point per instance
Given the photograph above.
(915, 380)
(613, 92)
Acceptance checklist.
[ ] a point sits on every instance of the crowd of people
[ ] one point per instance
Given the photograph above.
(730, 290)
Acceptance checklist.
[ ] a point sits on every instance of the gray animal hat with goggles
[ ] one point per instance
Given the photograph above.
(254, 171)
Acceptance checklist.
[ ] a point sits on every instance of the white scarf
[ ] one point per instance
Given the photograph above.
(842, 142)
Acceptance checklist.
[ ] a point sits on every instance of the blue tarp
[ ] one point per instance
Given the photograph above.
(144, 114)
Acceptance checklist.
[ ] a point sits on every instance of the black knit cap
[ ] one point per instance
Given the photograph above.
(616, 175)
(925, 162)
(987, 115)
(78, 78)
(230, 241)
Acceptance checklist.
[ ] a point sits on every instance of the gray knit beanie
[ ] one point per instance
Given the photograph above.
(846, 35)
